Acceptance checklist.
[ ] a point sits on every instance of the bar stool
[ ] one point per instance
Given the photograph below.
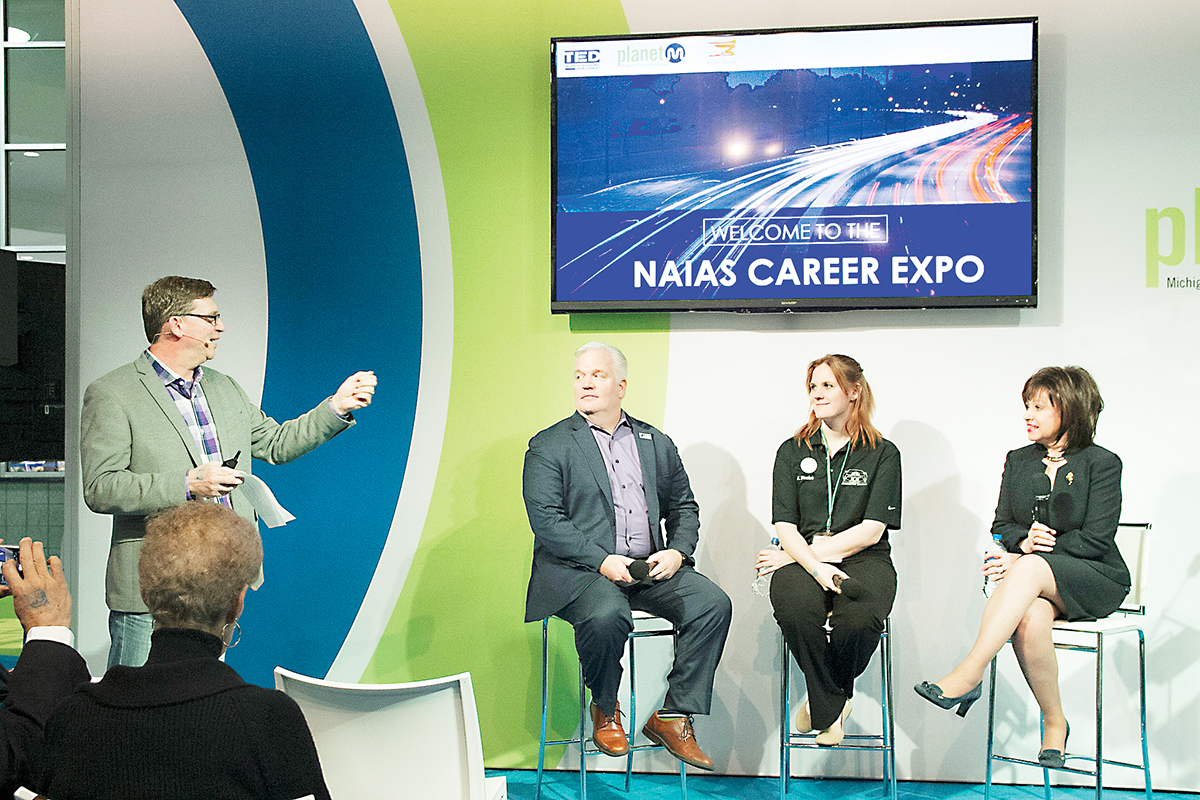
(1088, 637)
(884, 742)
(642, 632)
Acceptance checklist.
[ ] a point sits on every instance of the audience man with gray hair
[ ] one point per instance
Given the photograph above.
(607, 497)
(48, 669)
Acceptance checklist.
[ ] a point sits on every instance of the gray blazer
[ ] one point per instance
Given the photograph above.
(569, 502)
(136, 449)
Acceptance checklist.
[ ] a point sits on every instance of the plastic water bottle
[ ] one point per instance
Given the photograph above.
(761, 585)
(993, 550)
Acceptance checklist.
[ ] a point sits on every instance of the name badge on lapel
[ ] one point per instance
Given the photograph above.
(645, 435)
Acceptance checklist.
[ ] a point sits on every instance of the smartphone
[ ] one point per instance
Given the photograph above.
(9, 552)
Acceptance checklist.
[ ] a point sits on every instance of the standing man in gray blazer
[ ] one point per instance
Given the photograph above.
(603, 491)
(164, 430)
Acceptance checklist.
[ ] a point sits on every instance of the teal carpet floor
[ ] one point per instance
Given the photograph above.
(561, 785)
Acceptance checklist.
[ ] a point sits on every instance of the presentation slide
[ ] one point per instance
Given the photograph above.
(796, 169)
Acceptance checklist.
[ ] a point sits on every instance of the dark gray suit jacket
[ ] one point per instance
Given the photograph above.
(570, 506)
(136, 449)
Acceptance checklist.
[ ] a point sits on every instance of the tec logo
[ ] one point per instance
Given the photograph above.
(577, 57)
(675, 53)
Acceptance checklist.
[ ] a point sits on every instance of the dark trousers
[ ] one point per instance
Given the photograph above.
(831, 660)
(602, 619)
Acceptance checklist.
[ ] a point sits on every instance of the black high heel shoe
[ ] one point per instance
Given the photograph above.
(1055, 759)
(932, 693)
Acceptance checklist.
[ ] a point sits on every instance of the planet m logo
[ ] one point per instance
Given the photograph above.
(675, 53)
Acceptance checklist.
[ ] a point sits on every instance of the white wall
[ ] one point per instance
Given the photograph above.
(1118, 115)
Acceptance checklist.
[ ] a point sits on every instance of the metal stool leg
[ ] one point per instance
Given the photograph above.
(632, 713)
(987, 778)
(785, 723)
(1099, 717)
(1142, 694)
(889, 723)
(582, 736)
(545, 693)
(1045, 772)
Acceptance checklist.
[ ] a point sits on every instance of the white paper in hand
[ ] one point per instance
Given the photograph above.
(263, 499)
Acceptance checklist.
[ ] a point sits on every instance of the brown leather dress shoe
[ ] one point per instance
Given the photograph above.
(607, 732)
(677, 736)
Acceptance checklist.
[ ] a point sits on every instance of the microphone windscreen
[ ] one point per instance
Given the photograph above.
(1063, 505)
(639, 570)
(851, 587)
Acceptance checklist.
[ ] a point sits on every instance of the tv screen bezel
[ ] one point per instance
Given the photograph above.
(783, 305)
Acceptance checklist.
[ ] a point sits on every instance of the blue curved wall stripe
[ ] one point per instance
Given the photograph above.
(344, 292)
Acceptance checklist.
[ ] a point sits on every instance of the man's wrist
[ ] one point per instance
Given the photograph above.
(347, 417)
(51, 633)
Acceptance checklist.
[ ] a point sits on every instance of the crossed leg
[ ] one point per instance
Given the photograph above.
(1034, 648)
(1023, 608)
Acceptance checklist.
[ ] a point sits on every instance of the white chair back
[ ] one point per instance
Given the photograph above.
(1132, 540)
(417, 739)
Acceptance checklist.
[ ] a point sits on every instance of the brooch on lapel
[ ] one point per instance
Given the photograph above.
(1070, 478)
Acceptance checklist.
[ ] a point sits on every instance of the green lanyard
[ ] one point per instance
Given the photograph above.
(832, 488)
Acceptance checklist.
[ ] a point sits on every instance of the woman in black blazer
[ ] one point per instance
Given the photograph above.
(1060, 501)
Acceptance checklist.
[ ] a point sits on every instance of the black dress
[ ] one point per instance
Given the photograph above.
(1085, 507)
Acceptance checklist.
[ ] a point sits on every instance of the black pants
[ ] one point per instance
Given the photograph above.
(832, 660)
(697, 607)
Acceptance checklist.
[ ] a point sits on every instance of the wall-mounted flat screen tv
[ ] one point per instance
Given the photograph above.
(888, 166)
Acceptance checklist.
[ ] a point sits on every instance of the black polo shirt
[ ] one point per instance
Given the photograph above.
(870, 487)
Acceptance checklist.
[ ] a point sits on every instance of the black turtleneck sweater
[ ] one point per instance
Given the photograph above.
(185, 725)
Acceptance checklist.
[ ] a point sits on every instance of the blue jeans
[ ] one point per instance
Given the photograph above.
(130, 635)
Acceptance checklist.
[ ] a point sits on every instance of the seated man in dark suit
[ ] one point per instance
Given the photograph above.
(48, 669)
(602, 491)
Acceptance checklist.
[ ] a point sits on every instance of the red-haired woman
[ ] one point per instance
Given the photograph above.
(1066, 566)
(836, 495)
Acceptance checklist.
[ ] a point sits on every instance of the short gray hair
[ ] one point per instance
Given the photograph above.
(620, 365)
(196, 558)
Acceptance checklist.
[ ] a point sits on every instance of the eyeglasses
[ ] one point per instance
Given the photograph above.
(213, 319)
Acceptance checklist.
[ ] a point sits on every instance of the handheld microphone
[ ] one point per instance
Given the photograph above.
(852, 588)
(1041, 509)
(1041, 512)
(639, 570)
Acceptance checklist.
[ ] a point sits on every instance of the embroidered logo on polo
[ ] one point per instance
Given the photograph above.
(854, 477)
